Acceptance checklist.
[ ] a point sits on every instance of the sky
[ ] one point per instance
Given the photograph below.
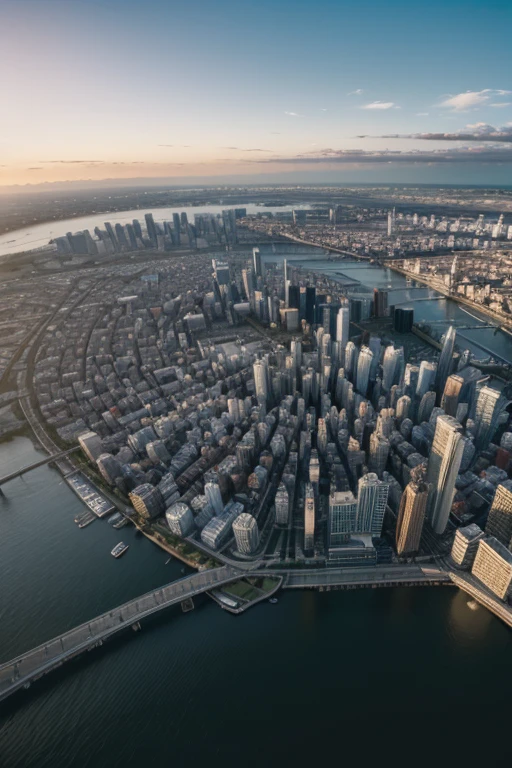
(267, 91)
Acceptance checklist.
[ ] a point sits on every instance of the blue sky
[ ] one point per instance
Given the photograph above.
(125, 89)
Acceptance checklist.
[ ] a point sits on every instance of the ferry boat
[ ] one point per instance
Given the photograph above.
(273, 600)
(119, 549)
(120, 524)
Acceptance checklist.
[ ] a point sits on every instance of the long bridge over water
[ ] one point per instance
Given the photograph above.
(42, 462)
(24, 669)
(20, 672)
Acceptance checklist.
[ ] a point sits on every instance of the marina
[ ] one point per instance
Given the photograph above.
(88, 493)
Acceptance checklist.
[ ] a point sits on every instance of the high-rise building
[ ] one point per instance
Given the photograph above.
(379, 452)
(426, 377)
(151, 229)
(380, 302)
(214, 496)
(493, 566)
(351, 357)
(451, 394)
(489, 407)
(282, 505)
(363, 370)
(147, 500)
(372, 496)
(309, 518)
(499, 521)
(411, 513)
(177, 228)
(91, 445)
(445, 363)
(256, 257)
(389, 367)
(310, 303)
(260, 379)
(443, 467)
(180, 519)
(246, 532)
(343, 326)
(465, 545)
(342, 517)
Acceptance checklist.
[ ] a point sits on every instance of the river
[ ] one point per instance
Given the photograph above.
(310, 678)
(29, 238)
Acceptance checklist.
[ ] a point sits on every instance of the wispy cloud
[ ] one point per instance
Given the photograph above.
(461, 102)
(292, 114)
(35, 168)
(379, 105)
(421, 114)
(240, 149)
(357, 92)
(73, 162)
(480, 132)
(500, 104)
(487, 155)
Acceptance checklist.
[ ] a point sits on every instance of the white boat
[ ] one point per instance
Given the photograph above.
(119, 549)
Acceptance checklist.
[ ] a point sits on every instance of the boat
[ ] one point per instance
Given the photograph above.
(115, 518)
(168, 561)
(119, 549)
(273, 600)
(120, 524)
(473, 605)
(86, 522)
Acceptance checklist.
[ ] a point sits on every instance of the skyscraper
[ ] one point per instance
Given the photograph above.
(493, 566)
(389, 367)
(426, 377)
(177, 228)
(214, 496)
(379, 452)
(499, 522)
(363, 370)
(342, 516)
(445, 363)
(309, 518)
(256, 257)
(151, 228)
(260, 379)
(411, 513)
(443, 467)
(372, 496)
(343, 326)
(451, 394)
(246, 532)
(489, 407)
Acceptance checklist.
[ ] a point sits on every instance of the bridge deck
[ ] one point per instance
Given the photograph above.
(31, 665)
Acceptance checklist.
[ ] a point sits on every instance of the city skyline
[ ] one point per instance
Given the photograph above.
(292, 96)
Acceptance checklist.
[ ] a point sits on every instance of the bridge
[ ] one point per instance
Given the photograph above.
(23, 670)
(42, 462)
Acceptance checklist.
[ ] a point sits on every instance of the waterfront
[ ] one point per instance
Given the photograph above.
(39, 235)
(193, 687)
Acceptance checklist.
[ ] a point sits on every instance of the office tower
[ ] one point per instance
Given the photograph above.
(180, 519)
(426, 406)
(493, 566)
(403, 405)
(314, 467)
(214, 496)
(363, 370)
(489, 407)
(151, 229)
(390, 223)
(385, 422)
(177, 228)
(403, 319)
(411, 513)
(451, 394)
(351, 357)
(389, 367)
(374, 344)
(296, 352)
(282, 505)
(380, 302)
(343, 326)
(137, 228)
(121, 237)
(91, 445)
(378, 454)
(465, 545)
(443, 467)
(260, 379)
(372, 496)
(445, 363)
(132, 237)
(499, 521)
(112, 236)
(246, 532)
(342, 517)
(109, 467)
(321, 436)
(147, 501)
(256, 260)
(426, 377)
(293, 297)
(310, 304)
(309, 518)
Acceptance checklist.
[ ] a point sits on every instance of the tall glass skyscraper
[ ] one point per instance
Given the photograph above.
(444, 366)
(443, 467)
(372, 496)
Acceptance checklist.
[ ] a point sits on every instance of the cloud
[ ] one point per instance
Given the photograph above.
(35, 168)
(166, 145)
(379, 105)
(292, 114)
(501, 104)
(500, 154)
(421, 114)
(475, 132)
(357, 92)
(71, 162)
(471, 99)
(240, 149)
(275, 133)
(323, 110)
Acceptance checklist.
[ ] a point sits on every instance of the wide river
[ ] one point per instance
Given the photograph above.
(319, 678)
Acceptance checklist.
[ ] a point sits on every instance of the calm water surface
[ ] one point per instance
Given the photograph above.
(319, 678)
